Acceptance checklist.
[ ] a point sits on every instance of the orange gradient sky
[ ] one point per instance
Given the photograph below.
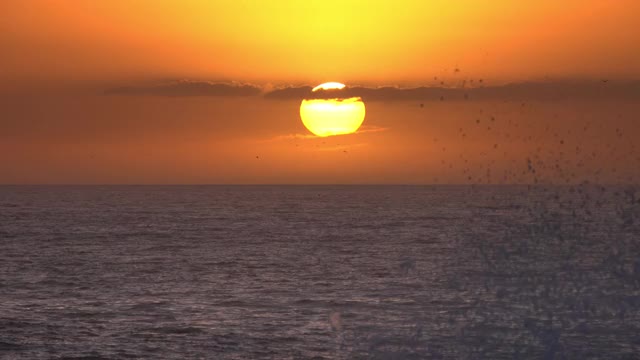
(311, 41)
(79, 98)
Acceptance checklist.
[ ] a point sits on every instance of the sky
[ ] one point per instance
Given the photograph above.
(476, 91)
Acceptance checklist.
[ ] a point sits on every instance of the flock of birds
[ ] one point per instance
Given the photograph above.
(564, 278)
(599, 152)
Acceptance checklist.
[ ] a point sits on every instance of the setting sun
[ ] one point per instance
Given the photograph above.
(332, 116)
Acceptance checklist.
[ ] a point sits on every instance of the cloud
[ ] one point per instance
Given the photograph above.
(560, 90)
(343, 148)
(525, 91)
(188, 88)
(363, 129)
(293, 137)
(287, 93)
(370, 129)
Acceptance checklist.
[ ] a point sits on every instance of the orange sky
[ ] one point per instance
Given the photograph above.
(312, 41)
(58, 58)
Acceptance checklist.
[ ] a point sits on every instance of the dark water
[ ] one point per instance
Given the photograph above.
(320, 272)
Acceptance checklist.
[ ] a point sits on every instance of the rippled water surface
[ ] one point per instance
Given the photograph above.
(297, 272)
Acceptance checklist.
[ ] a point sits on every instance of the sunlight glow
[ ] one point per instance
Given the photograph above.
(329, 86)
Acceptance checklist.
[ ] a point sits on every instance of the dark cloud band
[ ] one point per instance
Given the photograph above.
(189, 88)
(519, 91)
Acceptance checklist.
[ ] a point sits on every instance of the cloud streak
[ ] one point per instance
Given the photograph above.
(517, 91)
(188, 88)
(293, 137)
(362, 130)
(526, 91)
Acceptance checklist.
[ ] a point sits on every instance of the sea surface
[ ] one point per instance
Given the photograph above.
(320, 272)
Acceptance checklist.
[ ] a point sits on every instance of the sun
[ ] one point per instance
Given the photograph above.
(329, 112)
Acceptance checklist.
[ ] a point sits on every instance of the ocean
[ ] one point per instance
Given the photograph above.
(320, 272)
